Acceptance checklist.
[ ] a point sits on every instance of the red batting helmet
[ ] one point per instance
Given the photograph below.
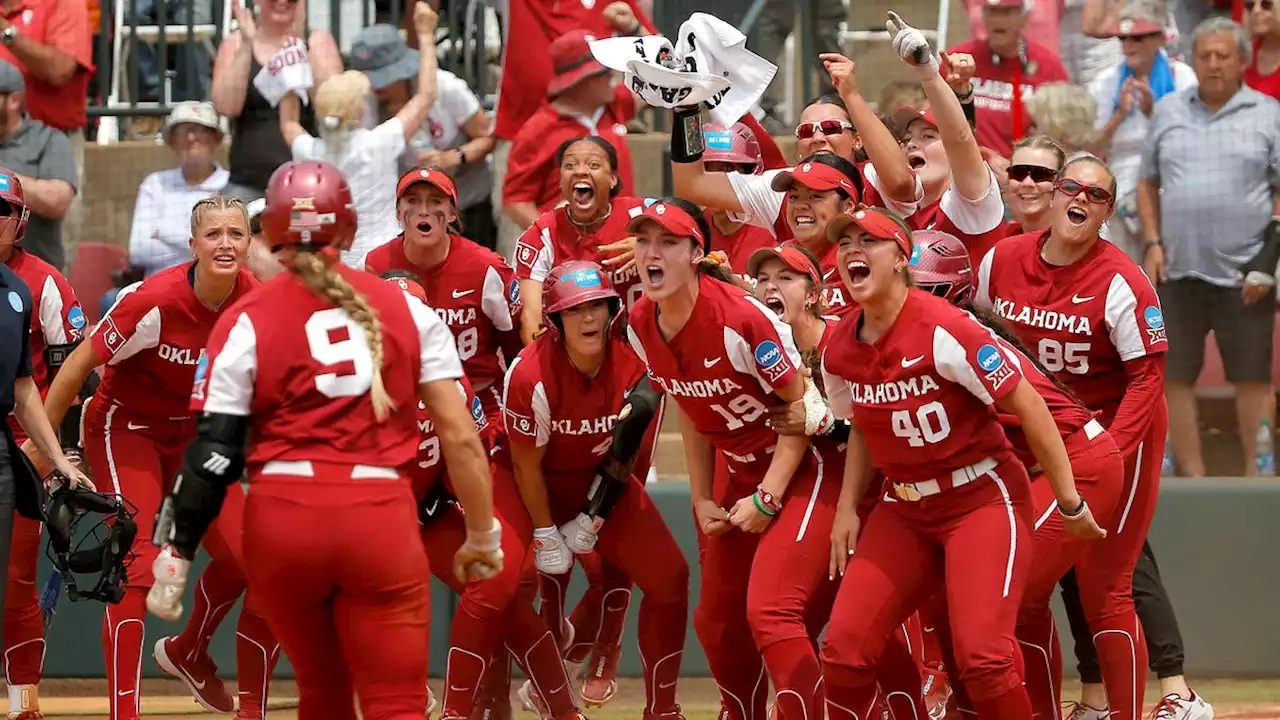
(940, 265)
(308, 205)
(11, 193)
(736, 145)
(573, 283)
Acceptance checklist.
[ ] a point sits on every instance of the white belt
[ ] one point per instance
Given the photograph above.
(1093, 429)
(303, 468)
(912, 492)
(748, 458)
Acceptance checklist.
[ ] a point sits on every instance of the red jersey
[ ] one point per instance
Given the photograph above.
(532, 174)
(553, 239)
(976, 223)
(428, 468)
(1265, 84)
(300, 369)
(1084, 320)
(739, 244)
(477, 296)
(722, 368)
(58, 319)
(153, 338)
(550, 404)
(526, 65)
(1068, 414)
(994, 81)
(922, 394)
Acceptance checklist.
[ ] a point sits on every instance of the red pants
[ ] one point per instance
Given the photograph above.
(137, 458)
(636, 539)
(23, 623)
(743, 617)
(340, 569)
(972, 540)
(600, 616)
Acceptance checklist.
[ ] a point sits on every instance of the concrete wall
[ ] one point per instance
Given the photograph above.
(1215, 540)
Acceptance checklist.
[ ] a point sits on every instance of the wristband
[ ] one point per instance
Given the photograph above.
(1076, 514)
(486, 540)
(687, 143)
(462, 156)
(755, 499)
(768, 500)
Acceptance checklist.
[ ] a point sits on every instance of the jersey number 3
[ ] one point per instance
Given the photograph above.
(336, 340)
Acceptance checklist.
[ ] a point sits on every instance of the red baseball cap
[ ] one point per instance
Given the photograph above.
(429, 176)
(790, 256)
(672, 219)
(815, 176)
(904, 116)
(1136, 25)
(875, 222)
(572, 61)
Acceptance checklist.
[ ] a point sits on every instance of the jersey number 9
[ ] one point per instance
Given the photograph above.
(330, 348)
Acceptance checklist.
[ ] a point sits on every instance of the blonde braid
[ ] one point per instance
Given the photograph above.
(325, 281)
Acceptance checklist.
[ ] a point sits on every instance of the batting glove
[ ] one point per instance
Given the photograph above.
(550, 555)
(580, 534)
(912, 46)
(164, 600)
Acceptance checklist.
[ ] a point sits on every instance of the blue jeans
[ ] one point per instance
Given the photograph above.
(190, 58)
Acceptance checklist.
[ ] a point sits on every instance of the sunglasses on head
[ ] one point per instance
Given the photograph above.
(1037, 173)
(1264, 4)
(1094, 193)
(804, 131)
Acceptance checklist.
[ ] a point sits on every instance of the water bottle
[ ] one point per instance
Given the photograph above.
(1264, 459)
(1166, 465)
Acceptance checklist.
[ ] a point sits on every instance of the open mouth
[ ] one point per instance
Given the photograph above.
(775, 304)
(1029, 196)
(584, 195)
(1076, 216)
(588, 334)
(915, 160)
(805, 222)
(859, 272)
(654, 276)
(423, 226)
(225, 259)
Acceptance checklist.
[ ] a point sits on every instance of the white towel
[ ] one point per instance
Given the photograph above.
(288, 70)
(709, 63)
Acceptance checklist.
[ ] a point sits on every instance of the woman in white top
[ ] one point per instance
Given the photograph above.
(367, 158)
(162, 215)
(1126, 94)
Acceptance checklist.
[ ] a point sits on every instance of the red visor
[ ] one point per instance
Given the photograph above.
(877, 223)
(790, 256)
(815, 176)
(671, 218)
(429, 176)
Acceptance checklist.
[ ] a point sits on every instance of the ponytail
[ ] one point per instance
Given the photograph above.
(325, 281)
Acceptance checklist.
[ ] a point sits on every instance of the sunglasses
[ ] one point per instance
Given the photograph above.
(804, 131)
(1037, 173)
(1264, 4)
(1094, 193)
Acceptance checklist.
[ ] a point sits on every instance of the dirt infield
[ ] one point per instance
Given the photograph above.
(165, 699)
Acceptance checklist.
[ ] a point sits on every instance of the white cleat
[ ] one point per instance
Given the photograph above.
(1175, 707)
(1080, 711)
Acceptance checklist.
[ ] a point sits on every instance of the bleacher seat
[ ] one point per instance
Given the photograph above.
(91, 274)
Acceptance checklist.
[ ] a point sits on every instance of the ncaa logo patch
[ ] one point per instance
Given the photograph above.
(15, 300)
(915, 256)
(513, 291)
(1155, 324)
(75, 317)
(770, 360)
(477, 410)
(992, 362)
(4, 183)
(202, 376)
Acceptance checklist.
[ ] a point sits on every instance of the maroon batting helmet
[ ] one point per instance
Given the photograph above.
(736, 145)
(573, 283)
(11, 193)
(940, 265)
(308, 206)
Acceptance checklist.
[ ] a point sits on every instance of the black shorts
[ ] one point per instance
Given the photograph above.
(1243, 333)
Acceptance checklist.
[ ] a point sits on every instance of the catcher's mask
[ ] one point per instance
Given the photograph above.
(103, 548)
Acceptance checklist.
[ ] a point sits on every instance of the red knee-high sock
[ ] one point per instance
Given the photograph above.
(123, 633)
(1038, 638)
(220, 585)
(257, 652)
(23, 641)
(1122, 657)
(899, 675)
(796, 677)
(474, 636)
(848, 702)
(1012, 705)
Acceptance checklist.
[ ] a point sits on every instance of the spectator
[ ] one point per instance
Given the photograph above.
(777, 22)
(1126, 94)
(194, 66)
(1043, 22)
(900, 93)
(368, 158)
(582, 100)
(52, 44)
(458, 136)
(1064, 112)
(1206, 194)
(1005, 60)
(257, 147)
(1262, 74)
(42, 159)
(1084, 53)
(161, 233)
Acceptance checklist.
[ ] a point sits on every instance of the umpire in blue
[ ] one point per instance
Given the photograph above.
(21, 487)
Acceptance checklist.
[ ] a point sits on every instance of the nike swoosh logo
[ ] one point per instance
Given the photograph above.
(454, 688)
(432, 511)
(711, 363)
(198, 685)
(908, 363)
(131, 426)
(1076, 299)
(463, 293)
(664, 686)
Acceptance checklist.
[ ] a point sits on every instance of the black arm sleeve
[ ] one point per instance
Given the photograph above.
(634, 418)
(687, 144)
(214, 460)
(1267, 257)
(970, 112)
